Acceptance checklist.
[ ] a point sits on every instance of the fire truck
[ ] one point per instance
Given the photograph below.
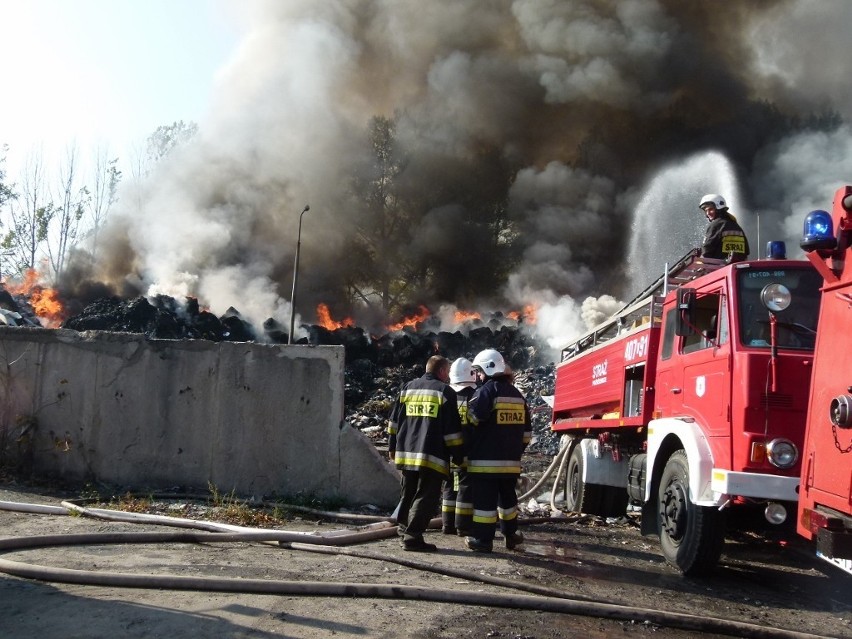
(691, 401)
(825, 494)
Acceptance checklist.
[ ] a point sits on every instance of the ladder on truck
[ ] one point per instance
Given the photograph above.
(686, 269)
(646, 307)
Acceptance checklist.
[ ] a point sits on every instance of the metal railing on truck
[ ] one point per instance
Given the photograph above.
(646, 308)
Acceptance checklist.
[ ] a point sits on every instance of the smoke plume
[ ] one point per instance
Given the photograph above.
(545, 121)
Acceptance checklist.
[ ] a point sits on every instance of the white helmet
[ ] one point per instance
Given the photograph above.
(461, 372)
(491, 362)
(715, 199)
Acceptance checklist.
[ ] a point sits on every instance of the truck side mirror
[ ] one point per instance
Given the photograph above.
(683, 321)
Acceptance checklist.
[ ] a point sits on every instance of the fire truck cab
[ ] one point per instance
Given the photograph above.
(692, 399)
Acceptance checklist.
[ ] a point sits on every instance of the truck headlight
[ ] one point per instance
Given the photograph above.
(776, 297)
(782, 453)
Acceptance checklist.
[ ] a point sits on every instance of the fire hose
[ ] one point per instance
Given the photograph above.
(560, 460)
(546, 600)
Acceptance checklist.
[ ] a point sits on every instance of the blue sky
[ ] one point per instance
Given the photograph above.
(106, 71)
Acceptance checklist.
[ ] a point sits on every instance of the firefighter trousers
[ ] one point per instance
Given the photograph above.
(420, 496)
(494, 499)
(457, 506)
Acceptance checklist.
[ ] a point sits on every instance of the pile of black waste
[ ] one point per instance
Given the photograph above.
(376, 367)
(370, 392)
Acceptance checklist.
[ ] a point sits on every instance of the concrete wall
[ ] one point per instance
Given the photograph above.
(263, 420)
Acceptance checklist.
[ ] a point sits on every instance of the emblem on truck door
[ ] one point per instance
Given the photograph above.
(599, 373)
(700, 385)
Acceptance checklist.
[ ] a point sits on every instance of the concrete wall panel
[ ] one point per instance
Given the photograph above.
(260, 419)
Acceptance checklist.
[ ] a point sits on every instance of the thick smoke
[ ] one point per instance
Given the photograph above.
(551, 117)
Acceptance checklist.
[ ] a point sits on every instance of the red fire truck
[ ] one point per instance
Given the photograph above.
(825, 495)
(692, 401)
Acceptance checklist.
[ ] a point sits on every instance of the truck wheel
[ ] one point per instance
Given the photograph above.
(691, 536)
(581, 497)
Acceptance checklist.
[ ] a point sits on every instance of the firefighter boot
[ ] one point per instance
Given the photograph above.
(477, 545)
(514, 540)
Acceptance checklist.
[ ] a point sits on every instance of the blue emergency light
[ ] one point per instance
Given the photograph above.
(818, 233)
(776, 250)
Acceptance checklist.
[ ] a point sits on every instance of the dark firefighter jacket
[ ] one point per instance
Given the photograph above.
(501, 429)
(723, 237)
(424, 428)
(464, 394)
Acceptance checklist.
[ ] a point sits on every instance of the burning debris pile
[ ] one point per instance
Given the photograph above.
(27, 303)
(15, 310)
(161, 317)
(407, 344)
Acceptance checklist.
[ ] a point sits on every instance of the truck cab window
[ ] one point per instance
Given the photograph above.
(668, 335)
(796, 325)
(705, 329)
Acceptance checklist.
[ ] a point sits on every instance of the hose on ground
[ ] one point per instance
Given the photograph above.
(562, 463)
(325, 514)
(336, 589)
(554, 462)
(440, 570)
(369, 532)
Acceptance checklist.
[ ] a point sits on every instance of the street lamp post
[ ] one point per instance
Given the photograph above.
(296, 276)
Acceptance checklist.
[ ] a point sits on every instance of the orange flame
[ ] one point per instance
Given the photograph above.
(44, 301)
(527, 315)
(463, 316)
(411, 320)
(324, 319)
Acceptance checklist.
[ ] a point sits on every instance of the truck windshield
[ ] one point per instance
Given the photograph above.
(796, 324)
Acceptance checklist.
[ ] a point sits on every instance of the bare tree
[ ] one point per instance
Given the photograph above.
(103, 192)
(73, 201)
(143, 158)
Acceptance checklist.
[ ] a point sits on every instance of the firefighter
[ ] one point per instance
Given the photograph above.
(500, 431)
(424, 434)
(723, 237)
(457, 508)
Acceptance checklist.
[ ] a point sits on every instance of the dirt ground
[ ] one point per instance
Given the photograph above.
(769, 582)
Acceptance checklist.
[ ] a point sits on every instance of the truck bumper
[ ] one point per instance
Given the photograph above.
(835, 546)
(756, 485)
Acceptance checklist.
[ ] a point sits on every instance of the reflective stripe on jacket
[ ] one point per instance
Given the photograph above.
(424, 428)
(501, 429)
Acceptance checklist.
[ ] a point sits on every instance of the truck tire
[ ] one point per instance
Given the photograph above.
(581, 497)
(691, 536)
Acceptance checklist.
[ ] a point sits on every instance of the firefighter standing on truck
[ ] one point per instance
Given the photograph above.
(499, 435)
(457, 507)
(424, 433)
(724, 238)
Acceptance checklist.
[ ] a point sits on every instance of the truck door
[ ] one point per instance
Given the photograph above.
(828, 446)
(706, 361)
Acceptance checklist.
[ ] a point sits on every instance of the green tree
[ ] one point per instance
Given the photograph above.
(6, 195)
(30, 214)
(6, 192)
(167, 138)
(382, 218)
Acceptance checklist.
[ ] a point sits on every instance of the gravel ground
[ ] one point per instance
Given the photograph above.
(766, 581)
